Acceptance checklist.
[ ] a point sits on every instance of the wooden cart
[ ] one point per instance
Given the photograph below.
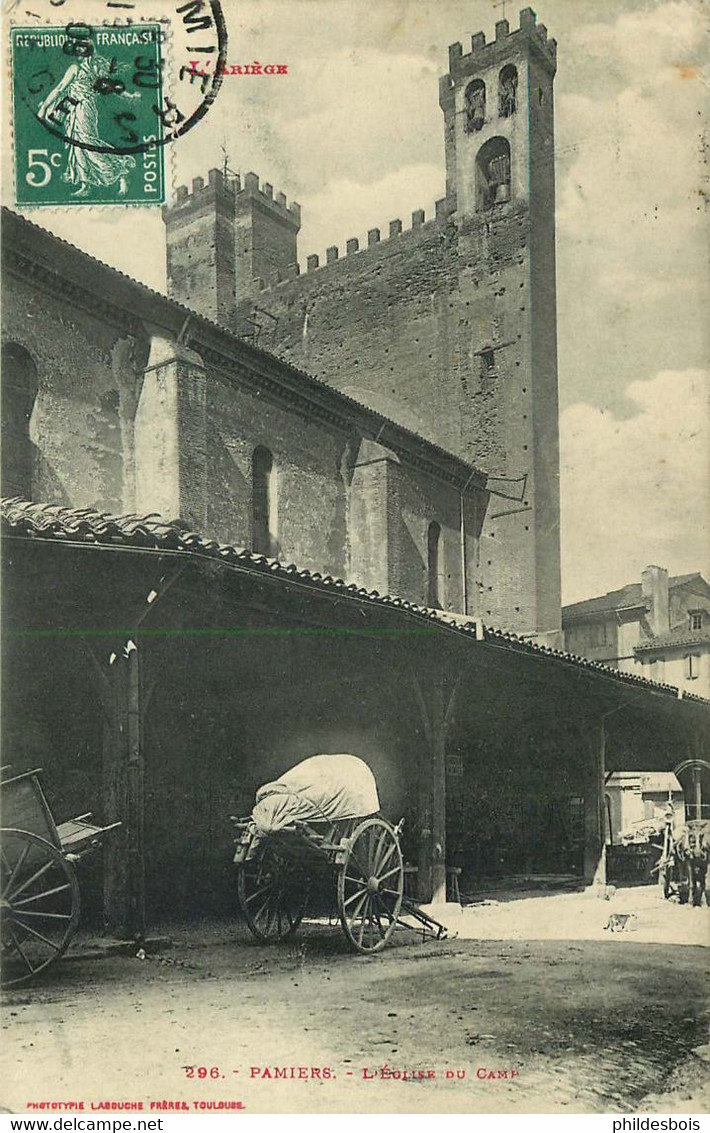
(278, 872)
(40, 905)
(674, 874)
(682, 866)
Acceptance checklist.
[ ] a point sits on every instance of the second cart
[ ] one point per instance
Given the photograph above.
(303, 829)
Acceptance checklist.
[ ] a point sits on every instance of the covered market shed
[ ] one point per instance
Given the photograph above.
(159, 678)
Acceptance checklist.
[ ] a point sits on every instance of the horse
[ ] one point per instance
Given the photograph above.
(692, 851)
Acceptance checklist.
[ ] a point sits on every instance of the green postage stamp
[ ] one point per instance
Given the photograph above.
(87, 114)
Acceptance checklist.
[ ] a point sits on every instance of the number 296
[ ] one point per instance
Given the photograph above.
(202, 1072)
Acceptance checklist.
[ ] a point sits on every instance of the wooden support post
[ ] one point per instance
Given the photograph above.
(435, 709)
(115, 881)
(125, 700)
(113, 792)
(594, 809)
(698, 791)
(424, 875)
(438, 790)
(136, 794)
(123, 778)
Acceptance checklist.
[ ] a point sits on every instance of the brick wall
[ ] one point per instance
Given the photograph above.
(266, 231)
(88, 372)
(310, 482)
(345, 506)
(126, 422)
(200, 250)
(449, 327)
(402, 325)
(377, 324)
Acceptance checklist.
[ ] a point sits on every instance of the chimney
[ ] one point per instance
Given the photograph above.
(654, 591)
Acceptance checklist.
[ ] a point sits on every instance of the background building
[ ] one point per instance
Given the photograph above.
(637, 800)
(658, 627)
(680, 656)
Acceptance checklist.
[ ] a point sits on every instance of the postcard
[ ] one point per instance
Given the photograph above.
(356, 619)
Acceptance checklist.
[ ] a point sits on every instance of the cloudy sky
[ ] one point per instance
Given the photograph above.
(354, 133)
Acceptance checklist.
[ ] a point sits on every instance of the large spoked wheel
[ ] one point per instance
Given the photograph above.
(371, 885)
(39, 906)
(273, 894)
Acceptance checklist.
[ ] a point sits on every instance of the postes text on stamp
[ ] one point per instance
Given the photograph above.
(88, 116)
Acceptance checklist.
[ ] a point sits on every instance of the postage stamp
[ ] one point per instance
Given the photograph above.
(89, 117)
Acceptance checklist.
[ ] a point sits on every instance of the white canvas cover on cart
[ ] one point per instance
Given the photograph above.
(323, 787)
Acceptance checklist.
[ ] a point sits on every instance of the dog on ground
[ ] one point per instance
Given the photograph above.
(620, 922)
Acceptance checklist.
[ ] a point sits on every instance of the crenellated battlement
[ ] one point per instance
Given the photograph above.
(264, 195)
(374, 240)
(235, 193)
(484, 54)
(444, 320)
(218, 189)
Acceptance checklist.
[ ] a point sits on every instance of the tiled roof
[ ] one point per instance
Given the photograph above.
(153, 533)
(627, 597)
(681, 635)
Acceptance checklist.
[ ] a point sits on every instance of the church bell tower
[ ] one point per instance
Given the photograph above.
(497, 101)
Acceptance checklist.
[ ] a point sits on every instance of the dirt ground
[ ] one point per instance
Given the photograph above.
(534, 1007)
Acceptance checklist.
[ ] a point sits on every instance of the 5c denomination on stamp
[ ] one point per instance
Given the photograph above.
(88, 114)
(94, 107)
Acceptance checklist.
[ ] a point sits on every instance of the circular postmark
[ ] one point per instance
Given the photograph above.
(102, 88)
